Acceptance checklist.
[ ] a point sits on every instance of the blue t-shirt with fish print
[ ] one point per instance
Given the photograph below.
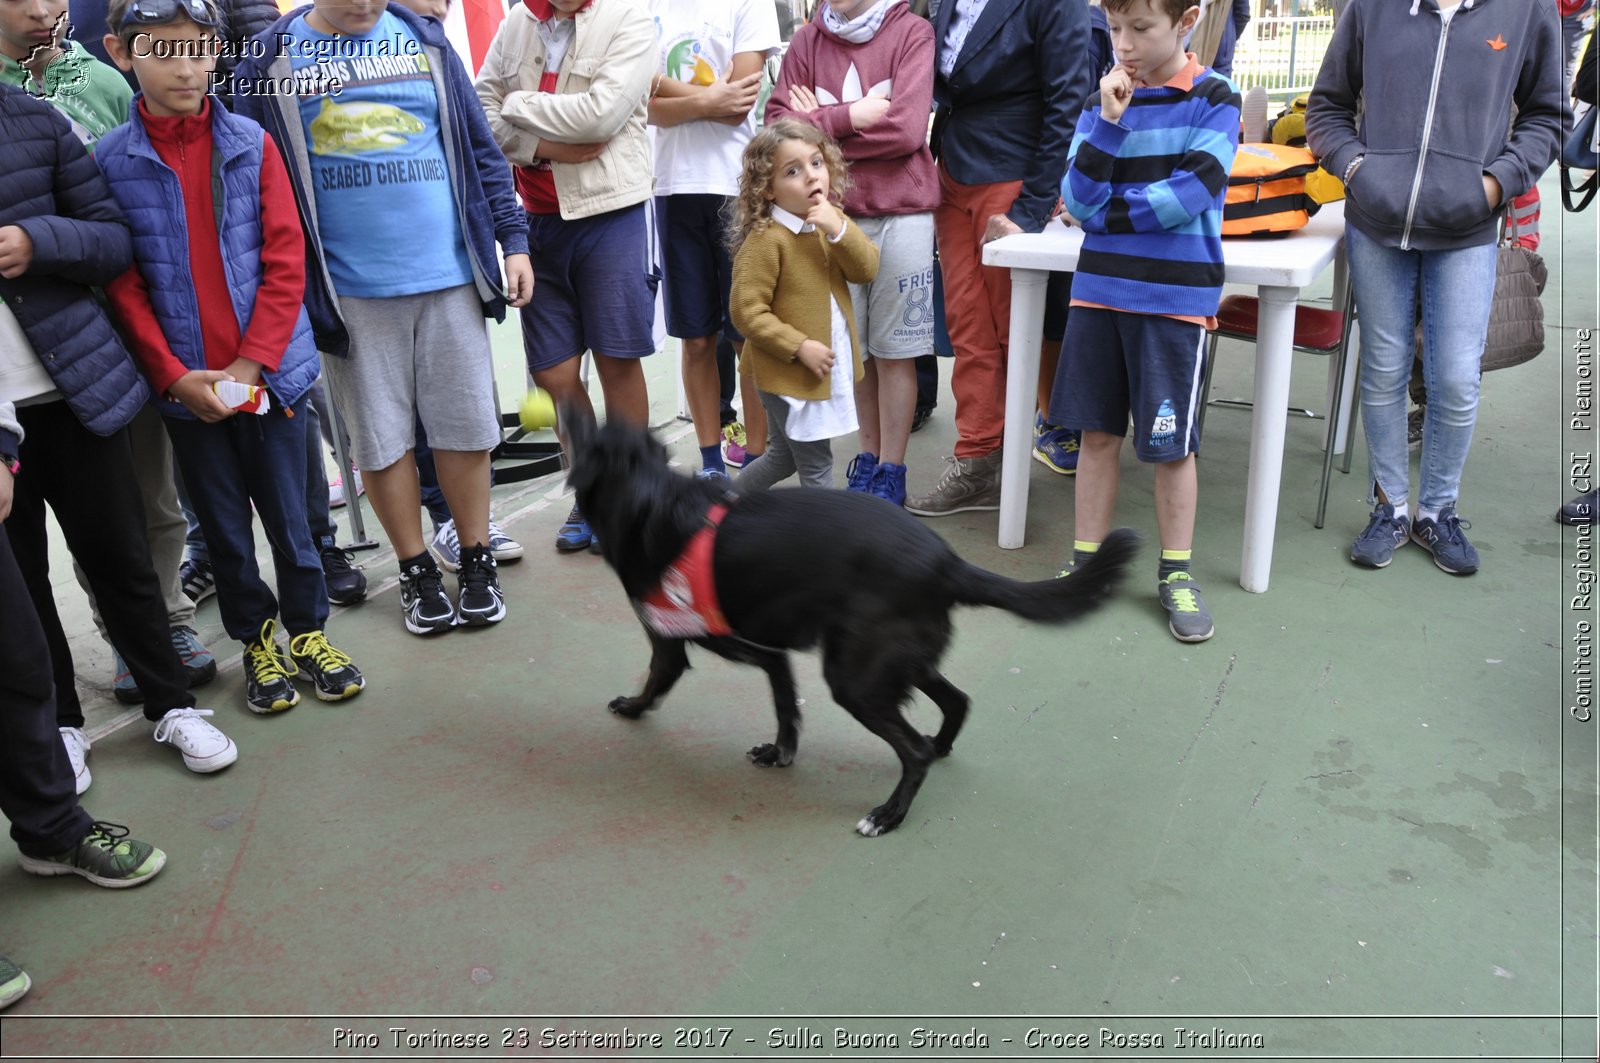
(385, 213)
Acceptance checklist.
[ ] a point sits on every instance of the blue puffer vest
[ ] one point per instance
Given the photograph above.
(149, 193)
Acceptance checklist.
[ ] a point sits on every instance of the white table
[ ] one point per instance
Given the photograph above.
(1279, 268)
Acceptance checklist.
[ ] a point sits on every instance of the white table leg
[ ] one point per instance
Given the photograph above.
(1022, 382)
(1274, 349)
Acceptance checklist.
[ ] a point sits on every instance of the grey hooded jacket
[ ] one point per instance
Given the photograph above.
(1439, 100)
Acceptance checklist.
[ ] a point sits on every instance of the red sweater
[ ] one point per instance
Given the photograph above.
(184, 144)
(890, 164)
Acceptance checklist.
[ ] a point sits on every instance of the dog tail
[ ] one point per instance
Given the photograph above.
(1052, 600)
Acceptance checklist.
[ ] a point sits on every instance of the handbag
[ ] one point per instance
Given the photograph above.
(1578, 152)
(1516, 316)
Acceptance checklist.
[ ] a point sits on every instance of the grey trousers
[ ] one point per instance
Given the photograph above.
(784, 456)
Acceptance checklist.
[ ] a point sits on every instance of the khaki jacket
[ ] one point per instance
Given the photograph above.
(781, 287)
(599, 96)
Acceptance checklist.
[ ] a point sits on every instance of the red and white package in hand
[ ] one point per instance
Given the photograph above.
(246, 398)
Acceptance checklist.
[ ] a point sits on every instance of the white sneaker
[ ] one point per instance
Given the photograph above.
(204, 748)
(77, 744)
(501, 545)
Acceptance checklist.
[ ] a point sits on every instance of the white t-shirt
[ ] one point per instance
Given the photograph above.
(698, 40)
(23, 378)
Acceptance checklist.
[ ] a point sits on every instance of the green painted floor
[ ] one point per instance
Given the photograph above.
(1360, 822)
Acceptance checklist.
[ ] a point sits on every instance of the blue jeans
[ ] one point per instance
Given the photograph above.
(1456, 288)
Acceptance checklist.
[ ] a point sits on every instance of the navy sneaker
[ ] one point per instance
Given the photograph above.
(1578, 511)
(575, 534)
(1384, 534)
(889, 483)
(196, 578)
(1054, 447)
(1443, 539)
(858, 476)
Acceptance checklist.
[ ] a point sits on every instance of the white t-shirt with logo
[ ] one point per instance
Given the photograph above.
(698, 40)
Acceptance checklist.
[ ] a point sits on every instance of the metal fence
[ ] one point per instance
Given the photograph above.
(1282, 54)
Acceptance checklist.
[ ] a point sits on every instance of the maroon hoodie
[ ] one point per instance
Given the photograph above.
(890, 164)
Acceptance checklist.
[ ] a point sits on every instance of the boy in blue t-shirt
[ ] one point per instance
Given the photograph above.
(1145, 178)
(403, 195)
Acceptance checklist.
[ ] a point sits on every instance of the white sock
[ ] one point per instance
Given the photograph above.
(1402, 511)
(1425, 513)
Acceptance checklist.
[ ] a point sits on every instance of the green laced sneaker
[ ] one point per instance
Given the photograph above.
(105, 856)
(14, 983)
(1187, 616)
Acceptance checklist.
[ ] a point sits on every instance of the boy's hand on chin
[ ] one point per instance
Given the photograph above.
(1116, 90)
(16, 251)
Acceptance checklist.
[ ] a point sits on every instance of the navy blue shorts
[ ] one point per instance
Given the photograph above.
(698, 268)
(594, 287)
(1114, 363)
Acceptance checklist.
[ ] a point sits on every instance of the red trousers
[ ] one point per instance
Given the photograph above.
(977, 310)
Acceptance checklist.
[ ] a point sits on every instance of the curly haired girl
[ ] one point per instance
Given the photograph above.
(791, 299)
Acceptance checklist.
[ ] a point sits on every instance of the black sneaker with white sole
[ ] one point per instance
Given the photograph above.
(480, 601)
(423, 602)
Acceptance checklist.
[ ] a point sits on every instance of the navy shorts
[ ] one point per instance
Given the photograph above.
(594, 287)
(1057, 294)
(698, 268)
(1114, 363)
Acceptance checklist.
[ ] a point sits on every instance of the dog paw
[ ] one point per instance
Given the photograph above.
(770, 755)
(938, 750)
(880, 820)
(631, 708)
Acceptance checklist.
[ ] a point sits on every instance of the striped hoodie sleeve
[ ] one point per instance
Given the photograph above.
(1161, 174)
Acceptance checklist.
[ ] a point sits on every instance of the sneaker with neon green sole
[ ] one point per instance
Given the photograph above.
(14, 983)
(332, 673)
(1187, 616)
(105, 856)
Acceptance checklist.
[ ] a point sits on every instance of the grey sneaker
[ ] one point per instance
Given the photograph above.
(968, 484)
(105, 856)
(1383, 535)
(14, 982)
(1187, 616)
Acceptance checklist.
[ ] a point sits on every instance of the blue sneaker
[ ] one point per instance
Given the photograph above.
(858, 477)
(710, 474)
(889, 483)
(122, 684)
(199, 666)
(1054, 447)
(1443, 539)
(575, 534)
(1383, 535)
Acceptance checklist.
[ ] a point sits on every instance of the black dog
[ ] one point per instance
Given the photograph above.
(795, 568)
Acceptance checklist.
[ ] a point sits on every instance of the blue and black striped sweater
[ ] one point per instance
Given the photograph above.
(1148, 192)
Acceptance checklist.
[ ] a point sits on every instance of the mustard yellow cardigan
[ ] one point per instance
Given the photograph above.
(781, 283)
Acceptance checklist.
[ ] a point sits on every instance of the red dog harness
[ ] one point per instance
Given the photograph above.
(684, 604)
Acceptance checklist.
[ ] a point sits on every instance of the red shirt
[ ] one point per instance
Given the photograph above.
(536, 184)
(184, 143)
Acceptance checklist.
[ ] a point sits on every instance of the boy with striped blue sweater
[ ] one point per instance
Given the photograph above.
(1146, 175)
